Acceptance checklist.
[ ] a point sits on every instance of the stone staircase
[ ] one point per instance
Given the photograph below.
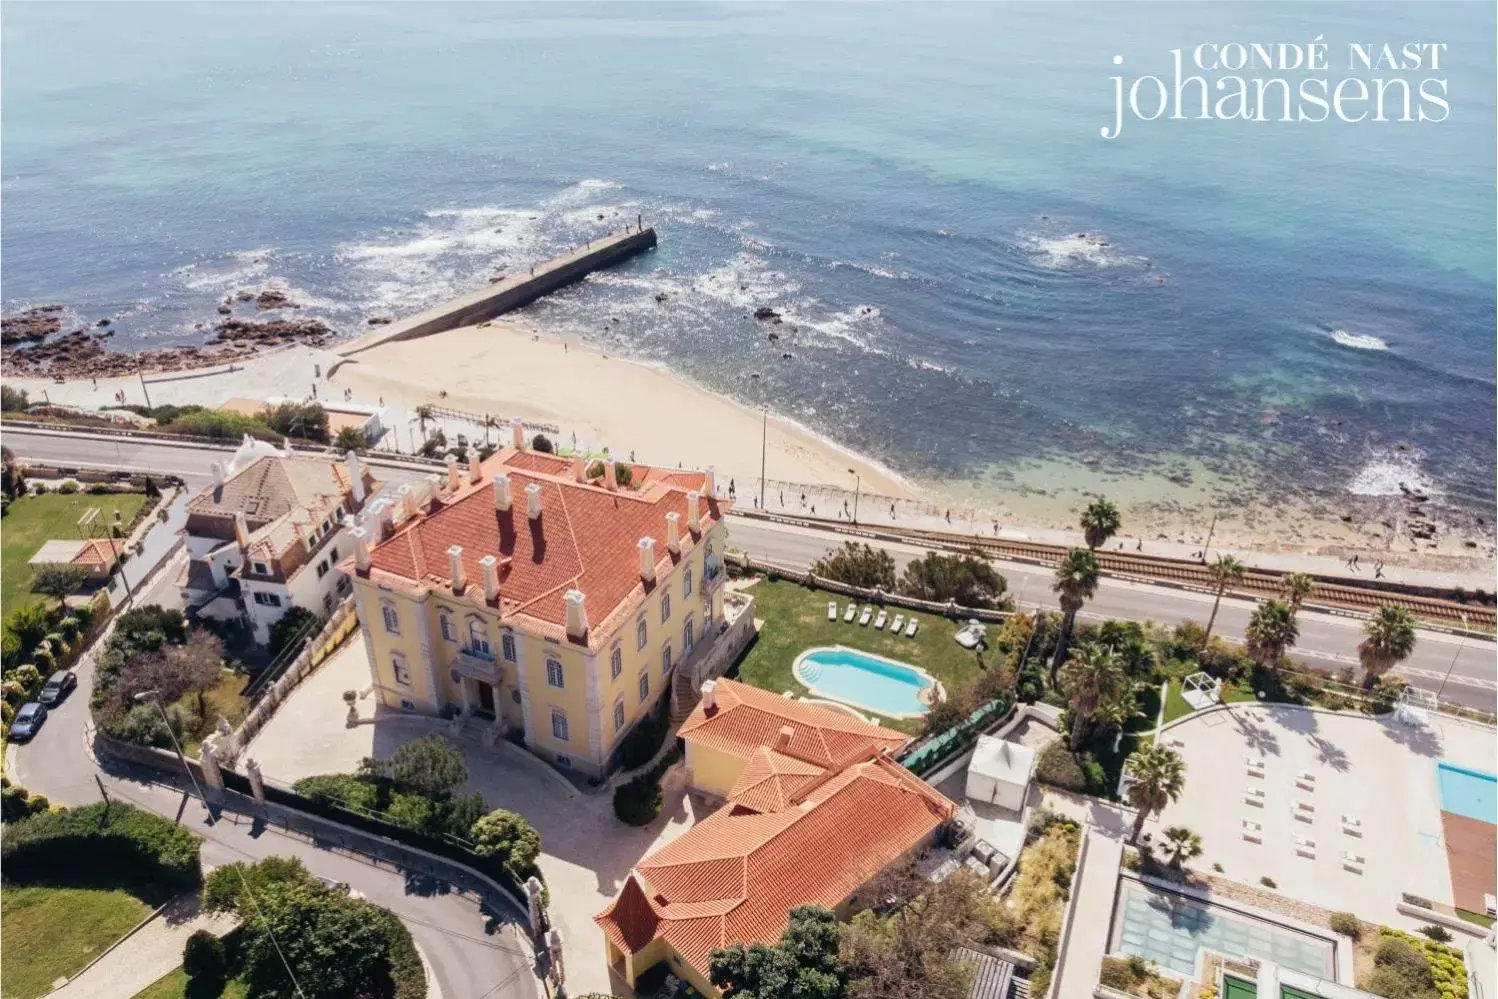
(684, 694)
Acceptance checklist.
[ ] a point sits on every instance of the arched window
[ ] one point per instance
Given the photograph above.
(665, 607)
(554, 673)
(640, 635)
(478, 637)
(686, 582)
(507, 646)
(616, 663)
(687, 637)
(392, 620)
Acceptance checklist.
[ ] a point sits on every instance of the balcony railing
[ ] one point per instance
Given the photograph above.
(477, 664)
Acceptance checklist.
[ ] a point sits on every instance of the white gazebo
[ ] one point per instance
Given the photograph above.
(999, 773)
(1201, 690)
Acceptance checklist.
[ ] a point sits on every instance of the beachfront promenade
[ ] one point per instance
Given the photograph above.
(510, 293)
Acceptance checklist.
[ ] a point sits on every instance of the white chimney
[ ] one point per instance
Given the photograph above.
(490, 565)
(694, 514)
(578, 470)
(501, 492)
(709, 695)
(647, 559)
(361, 548)
(241, 528)
(577, 613)
(356, 474)
(474, 472)
(383, 519)
(517, 434)
(407, 501)
(431, 489)
(218, 474)
(455, 570)
(453, 480)
(673, 532)
(609, 480)
(533, 501)
(709, 485)
(784, 737)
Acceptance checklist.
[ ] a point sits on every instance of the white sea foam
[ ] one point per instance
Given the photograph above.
(874, 269)
(1384, 474)
(715, 167)
(1361, 341)
(745, 282)
(1078, 248)
(243, 267)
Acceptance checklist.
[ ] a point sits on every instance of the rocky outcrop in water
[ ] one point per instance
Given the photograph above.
(272, 299)
(271, 333)
(32, 325)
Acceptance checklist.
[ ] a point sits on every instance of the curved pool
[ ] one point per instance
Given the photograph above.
(865, 681)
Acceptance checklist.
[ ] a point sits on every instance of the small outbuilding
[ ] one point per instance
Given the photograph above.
(999, 773)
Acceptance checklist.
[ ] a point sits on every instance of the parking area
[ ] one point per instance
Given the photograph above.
(1338, 810)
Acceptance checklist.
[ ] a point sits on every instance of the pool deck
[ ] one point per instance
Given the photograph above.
(1092, 918)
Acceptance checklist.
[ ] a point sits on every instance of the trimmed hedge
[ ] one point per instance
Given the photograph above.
(103, 845)
(1079, 773)
(638, 800)
(406, 973)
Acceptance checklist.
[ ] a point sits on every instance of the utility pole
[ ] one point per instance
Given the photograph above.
(1459, 646)
(154, 696)
(764, 432)
(857, 489)
(141, 374)
(1210, 531)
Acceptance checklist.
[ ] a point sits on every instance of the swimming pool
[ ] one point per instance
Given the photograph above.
(1169, 929)
(861, 680)
(1470, 793)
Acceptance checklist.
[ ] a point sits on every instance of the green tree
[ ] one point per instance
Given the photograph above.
(857, 564)
(1296, 586)
(803, 965)
(542, 443)
(203, 957)
(1093, 675)
(1225, 571)
(330, 940)
(1100, 521)
(969, 580)
(1180, 845)
(350, 439)
(507, 838)
(1271, 631)
(58, 580)
(1076, 582)
(427, 766)
(1389, 639)
(292, 630)
(12, 399)
(29, 623)
(226, 885)
(1159, 777)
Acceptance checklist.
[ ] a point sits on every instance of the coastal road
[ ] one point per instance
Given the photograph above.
(1464, 671)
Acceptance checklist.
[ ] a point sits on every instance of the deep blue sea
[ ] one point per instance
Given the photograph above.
(905, 184)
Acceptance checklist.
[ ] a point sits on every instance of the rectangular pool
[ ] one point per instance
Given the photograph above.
(1169, 929)
(1469, 793)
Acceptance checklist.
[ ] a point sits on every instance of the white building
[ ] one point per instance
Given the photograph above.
(266, 535)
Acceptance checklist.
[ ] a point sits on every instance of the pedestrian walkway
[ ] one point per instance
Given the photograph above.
(1087, 937)
(149, 952)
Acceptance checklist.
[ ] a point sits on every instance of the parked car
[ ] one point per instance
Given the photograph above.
(27, 721)
(58, 686)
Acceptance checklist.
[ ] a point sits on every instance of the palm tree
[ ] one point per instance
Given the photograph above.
(350, 439)
(1093, 675)
(1296, 586)
(1159, 776)
(1271, 631)
(1224, 570)
(1181, 845)
(1100, 521)
(425, 412)
(1076, 582)
(1390, 632)
(491, 422)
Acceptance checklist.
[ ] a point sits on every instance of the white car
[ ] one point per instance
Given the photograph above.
(972, 635)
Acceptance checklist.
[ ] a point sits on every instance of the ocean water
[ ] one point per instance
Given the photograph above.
(1307, 307)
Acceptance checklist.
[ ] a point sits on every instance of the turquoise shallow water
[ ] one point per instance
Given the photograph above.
(847, 675)
(904, 183)
(1471, 793)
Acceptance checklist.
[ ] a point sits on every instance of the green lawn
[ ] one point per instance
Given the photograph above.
(35, 519)
(795, 619)
(1475, 917)
(1175, 704)
(52, 932)
(178, 986)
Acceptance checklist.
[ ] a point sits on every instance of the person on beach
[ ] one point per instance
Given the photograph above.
(782, 497)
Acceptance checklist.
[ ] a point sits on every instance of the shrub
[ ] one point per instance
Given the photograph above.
(1268, 882)
(340, 789)
(638, 801)
(68, 487)
(508, 838)
(70, 627)
(644, 740)
(203, 957)
(542, 443)
(1059, 767)
(857, 564)
(1437, 933)
(30, 678)
(1116, 973)
(16, 803)
(99, 489)
(1346, 923)
(1399, 953)
(103, 845)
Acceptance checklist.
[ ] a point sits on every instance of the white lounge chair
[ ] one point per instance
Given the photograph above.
(1305, 847)
(879, 621)
(868, 612)
(910, 629)
(1352, 825)
(1352, 861)
(1305, 780)
(1303, 810)
(832, 610)
(897, 624)
(852, 610)
(1254, 767)
(1254, 796)
(1253, 831)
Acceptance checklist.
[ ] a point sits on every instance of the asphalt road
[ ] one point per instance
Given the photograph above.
(1463, 670)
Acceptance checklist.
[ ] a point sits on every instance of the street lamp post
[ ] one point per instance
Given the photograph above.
(154, 697)
(857, 488)
(1459, 646)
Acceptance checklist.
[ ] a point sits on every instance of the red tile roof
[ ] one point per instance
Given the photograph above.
(99, 551)
(586, 538)
(734, 877)
(771, 781)
(744, 719)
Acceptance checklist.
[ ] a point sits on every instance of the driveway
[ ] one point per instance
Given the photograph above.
(586, 851)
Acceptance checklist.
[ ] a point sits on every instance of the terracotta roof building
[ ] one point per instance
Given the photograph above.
(812, 813)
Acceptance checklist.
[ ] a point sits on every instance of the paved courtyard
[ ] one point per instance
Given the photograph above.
(586, 851)
(1379, 772)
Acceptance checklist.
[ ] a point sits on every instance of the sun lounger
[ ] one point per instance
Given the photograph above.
(911, 628)
(897, 624)
(1303, 810)
(1352, 862)
(1306, 781)
(1254, 796)
(863, 618)
(879, 621)
(1352, 825)
(1253, 831)
(1305, 847)
(1254, 767)
(832, 610)
(852, 610)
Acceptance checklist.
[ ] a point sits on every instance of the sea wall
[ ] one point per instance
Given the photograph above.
(511, 292)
